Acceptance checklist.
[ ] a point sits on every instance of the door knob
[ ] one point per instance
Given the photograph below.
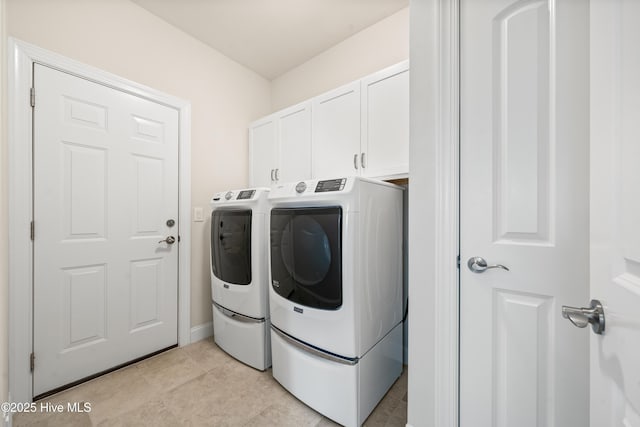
(582, 316)
(479, 265)
(169, 240)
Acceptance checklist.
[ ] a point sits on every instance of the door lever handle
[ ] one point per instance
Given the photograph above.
(582, 316)
(169, 240)
(479, 265)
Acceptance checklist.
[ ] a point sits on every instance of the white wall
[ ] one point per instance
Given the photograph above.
(120, 37)
(4, 223)
(372, 49)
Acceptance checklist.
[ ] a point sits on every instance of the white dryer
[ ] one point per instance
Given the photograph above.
(239, 275)
(336, 293)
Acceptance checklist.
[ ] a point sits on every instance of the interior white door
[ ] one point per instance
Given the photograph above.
(524, 204)
(105, 186)
(615, 211)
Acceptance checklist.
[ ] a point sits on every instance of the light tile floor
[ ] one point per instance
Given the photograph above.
(197, 385)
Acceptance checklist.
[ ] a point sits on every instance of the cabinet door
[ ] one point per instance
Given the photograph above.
(294, 137)
(385, 122)
(336, 132)
(262, 152)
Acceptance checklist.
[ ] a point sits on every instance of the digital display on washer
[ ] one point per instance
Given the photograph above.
(331, 185)
(246, 194)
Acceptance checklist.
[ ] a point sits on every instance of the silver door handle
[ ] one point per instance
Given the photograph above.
(362, 160)
(277, 174)
(272, 175)
(169, 240)
(582, 316)
(355, 161)
(479, 265)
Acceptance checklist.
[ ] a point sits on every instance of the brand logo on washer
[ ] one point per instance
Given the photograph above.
(297, 310)
(225, 286)
(275, 283)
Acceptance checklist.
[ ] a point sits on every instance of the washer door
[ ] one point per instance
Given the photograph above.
(306, 255)
(231, 246)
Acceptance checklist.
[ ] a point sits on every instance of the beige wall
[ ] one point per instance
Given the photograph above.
(372, 49)
(4, 255)
(124, 39)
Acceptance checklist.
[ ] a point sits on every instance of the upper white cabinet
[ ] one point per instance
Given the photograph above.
(336, 132)
(361, 128)
(280, 147)
(294, 136)
(385, 122)
(263, 152)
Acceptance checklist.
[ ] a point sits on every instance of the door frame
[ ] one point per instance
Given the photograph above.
(434, 214)
(22, 56)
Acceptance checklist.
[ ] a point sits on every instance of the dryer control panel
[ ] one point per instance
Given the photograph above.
(331, 185)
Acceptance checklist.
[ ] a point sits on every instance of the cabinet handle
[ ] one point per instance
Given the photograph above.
(277, 174)
(355, 161)
(272, 175)
(362, 160)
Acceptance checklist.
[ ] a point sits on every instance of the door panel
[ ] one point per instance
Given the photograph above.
(105, 183)
(306, 255)
(524, 204)
(615, 209)
(84, 191)
(231, 245)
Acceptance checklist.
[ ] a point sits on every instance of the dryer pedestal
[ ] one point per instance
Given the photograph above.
(345, 393)
(242, 337)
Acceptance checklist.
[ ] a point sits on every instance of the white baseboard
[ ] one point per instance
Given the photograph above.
(200, 332)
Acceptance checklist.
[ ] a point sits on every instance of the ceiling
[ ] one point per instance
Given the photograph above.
(272, 36)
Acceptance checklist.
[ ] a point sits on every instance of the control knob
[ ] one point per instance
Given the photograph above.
(301, 187)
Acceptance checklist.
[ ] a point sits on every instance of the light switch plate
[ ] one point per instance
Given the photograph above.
(198, 215)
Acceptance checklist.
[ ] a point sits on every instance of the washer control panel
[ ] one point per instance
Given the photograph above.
(234, 195)
(246, 194)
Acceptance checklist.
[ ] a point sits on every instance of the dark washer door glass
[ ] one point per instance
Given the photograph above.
(231, 245)
(306, 255)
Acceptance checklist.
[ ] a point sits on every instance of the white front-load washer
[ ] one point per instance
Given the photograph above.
(239, 275)
(336, 293)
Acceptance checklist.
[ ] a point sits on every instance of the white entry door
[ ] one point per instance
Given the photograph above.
(524, 100)
(615, 211)
(105, 190)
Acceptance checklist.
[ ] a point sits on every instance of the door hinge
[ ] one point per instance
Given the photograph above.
(32, 96)
(458, 261)
(32, 231)
(32, 361)
(178, 238)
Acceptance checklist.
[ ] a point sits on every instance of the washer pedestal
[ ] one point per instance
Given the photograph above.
(345, 393)
(242, 337)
